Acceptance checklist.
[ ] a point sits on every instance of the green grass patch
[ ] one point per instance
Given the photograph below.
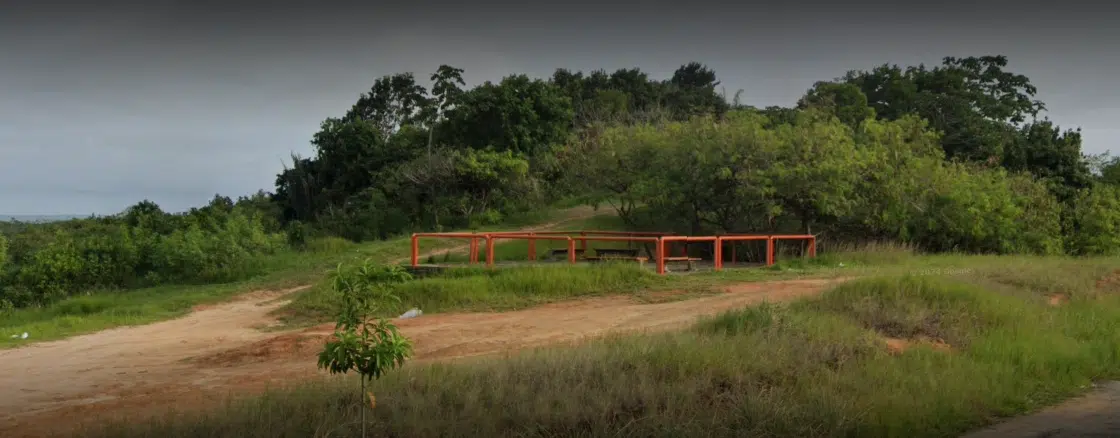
(480, 289)
(816, 367)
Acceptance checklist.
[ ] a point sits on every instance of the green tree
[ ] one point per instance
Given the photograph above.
(1095, 221)
(370, 349)
(971, 100)
(1110, 172)
(300, 190)
(816, 169)
(518, 114)
(843, 100)
(1046, 152)
(692, 91)
(447, 92)
(3, 256)
(900, 159)
(392, 102)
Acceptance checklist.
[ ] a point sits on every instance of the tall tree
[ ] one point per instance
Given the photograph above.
(845, 101)
(1047, 152)
(692, 91)
(446, 93)
(392, 102)
(971, 100)
(518, 114)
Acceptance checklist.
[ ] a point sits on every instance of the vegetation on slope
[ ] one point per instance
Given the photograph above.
(282, 269)
(985, 339)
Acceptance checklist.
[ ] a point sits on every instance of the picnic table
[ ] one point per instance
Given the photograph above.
(616, 252)
(556, 253)
(612, 254)
(690, 260)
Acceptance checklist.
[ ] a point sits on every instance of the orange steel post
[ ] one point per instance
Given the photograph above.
(716, 241)
(474, 250)
(731, 239)
(583, 242)
(415, 250)
(661, 256)
(532, 248)
(812, 244)
(489, 252)
(529, 237)
(718, 253)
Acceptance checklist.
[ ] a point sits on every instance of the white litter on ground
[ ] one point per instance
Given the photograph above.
(412, 313)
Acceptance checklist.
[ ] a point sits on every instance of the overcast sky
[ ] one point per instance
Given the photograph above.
(103, 104)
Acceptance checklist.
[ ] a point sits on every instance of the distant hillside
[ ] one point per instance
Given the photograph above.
(37, 218)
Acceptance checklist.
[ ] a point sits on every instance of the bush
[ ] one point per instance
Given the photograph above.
(883, 180)
(147, 247)
(1096, 221)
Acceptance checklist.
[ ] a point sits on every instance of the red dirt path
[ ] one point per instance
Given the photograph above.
(198, 360)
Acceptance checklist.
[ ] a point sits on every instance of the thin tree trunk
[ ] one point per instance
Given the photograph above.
(361, 400)
(431, 189)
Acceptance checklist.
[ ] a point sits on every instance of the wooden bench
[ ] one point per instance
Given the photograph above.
(641, 260)
(690, 260)
(616, 252)
(558, 253)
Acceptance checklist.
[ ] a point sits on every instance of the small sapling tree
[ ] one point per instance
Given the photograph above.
(369, 348)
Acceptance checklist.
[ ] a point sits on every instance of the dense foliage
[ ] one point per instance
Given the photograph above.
(950, 157)
(141, 247)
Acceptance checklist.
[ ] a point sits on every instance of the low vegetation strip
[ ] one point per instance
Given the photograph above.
(894, 355)
(89, 312)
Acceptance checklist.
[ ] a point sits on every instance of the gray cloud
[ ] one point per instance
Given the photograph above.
(175, 101)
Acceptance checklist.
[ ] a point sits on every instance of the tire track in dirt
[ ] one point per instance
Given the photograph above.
(197, 361)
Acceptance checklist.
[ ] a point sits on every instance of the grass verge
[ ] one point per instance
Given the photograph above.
(985, 342)
(478, 289)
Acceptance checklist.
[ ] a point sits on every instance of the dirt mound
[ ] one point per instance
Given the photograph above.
(285, 345)
(1110, 281)
(897, 346)
(1056, 300)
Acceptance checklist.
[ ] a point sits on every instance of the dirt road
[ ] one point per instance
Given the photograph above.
(198, 360)
(1096, 414)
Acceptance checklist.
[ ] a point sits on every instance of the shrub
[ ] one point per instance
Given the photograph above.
(54, 261)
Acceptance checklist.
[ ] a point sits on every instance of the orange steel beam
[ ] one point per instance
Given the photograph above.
(587, 232)
(583, 240)
(491, 238)
(662, 240)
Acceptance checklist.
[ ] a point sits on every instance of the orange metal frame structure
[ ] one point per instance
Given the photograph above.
(663, 241)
